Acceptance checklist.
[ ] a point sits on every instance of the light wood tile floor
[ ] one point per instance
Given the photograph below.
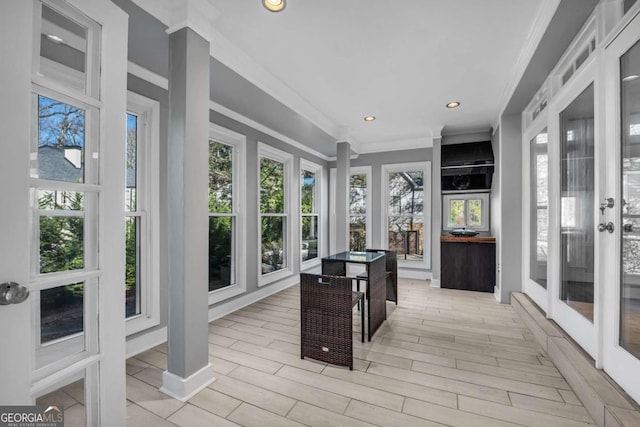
(443, 357)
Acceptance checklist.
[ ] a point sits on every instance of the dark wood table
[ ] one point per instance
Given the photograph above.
(336, 265)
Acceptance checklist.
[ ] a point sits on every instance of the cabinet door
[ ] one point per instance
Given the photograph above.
(481, 266)
(453, 258)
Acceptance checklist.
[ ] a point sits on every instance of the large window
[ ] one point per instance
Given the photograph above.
(407, 200)
(222, 218)
(65, 186)
(310, 180)
(274, 181)
(466, 211)
(141, 207)
(359, 209)
(539, 192)
(226, 224)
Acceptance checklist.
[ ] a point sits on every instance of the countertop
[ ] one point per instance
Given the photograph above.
(465, 239)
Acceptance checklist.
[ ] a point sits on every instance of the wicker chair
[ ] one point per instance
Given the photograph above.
(391, 270)
(326, 318)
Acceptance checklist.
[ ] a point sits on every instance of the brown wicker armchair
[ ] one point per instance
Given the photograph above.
(326, 318)
(391, 272)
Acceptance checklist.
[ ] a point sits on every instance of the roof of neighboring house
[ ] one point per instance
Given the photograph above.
(52, 164)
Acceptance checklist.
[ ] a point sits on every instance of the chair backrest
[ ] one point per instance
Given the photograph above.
(326, 319)
(331, 293)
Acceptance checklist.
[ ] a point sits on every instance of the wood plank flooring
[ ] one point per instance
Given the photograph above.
(442, 358)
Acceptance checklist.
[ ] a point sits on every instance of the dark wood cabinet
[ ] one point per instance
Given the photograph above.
(468, 263)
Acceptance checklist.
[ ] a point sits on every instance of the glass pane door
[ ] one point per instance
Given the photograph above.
(576, 204)
(630, 190)
(539, 206)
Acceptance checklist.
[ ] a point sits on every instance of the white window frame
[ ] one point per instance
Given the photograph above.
(425, 167)
(239, 143)
(148, 207)
(316, 169)
(291, 221)
(446, 199)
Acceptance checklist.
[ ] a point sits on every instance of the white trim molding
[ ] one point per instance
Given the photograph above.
(184, 389)
(214, 106)
(147, 75)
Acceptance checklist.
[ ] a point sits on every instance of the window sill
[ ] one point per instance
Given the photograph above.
(269, 278)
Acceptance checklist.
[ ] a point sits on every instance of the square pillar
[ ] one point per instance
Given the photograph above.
(188, 368)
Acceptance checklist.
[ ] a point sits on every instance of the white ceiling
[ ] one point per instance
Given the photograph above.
(338, 61)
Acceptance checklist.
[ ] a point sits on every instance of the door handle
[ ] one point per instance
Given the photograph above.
(607, 203)
(12, 293)
(608, 227)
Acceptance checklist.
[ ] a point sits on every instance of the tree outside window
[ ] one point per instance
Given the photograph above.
(222, 219)
(272, 215)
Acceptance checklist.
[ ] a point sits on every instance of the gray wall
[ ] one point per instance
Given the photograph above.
(510, 205)
(376, 160)
(149, 48)
(496, 221)
(252, 251)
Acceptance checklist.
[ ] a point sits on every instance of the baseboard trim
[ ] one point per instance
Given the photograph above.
(435, 283)
(184, 389)
(223, 309)
(607, 404)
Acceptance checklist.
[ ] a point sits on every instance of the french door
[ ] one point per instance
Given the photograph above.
(621, 272)
(61, 174)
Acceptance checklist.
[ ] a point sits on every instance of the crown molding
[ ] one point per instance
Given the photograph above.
(198, 15)
(264, 129)
(397, 145)
(543, 17)
(159, 9)
(237, 60)
(170, 14)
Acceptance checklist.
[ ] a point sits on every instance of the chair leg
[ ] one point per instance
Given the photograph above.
(362, 321)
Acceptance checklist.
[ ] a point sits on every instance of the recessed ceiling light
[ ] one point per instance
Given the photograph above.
(454, 104)
(630, 78)
(274, 5)
(54, 38)
(369, 118)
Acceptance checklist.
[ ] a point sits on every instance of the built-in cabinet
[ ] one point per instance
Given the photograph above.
(468, 263)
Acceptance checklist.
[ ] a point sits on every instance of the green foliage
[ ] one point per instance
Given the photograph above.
(271, 186)
(220, 177)
(61, 237)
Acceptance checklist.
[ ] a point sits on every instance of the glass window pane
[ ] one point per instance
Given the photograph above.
(221, 252)
(61, 232)
(358, 233)
(309, 248)
(273, 249)
(630, 191)
(63, 49)
(61, 312)
(308, 192)
(61, 141)
(405, 193)
(132, 266)
(271, 186)
(474, 218)
(405, 237)
(220, 177)
(69, 399)
(456, 213)
(577, 201)
(358, 194)
(131, 163)
(539, 191)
